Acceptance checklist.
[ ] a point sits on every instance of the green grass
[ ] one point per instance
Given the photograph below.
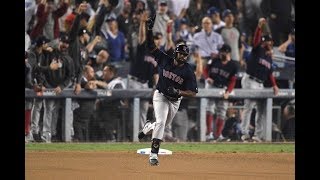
(175, 147)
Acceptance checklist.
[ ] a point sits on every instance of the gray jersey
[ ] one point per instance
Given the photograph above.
(231, 37)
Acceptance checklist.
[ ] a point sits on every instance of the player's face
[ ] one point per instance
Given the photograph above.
(268, 45)
(224, 55)
(182, 57)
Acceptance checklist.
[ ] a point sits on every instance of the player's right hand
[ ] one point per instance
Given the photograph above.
(209, 81)
(261, 22)
(150, 22)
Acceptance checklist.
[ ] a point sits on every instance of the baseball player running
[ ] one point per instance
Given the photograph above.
(176, 79)
(221, 74)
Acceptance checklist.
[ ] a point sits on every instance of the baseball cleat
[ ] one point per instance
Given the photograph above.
(145, 130)
(153, 159)
(245, 137)
(256, 139)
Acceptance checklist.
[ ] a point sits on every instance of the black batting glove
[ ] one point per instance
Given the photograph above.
(150, 22)
(173, 91)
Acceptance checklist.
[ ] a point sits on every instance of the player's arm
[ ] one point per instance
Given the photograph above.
(150, 42)
(274, 84)
(231, 82)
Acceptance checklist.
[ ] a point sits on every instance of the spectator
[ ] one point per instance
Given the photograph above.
(133, 34)
(98, 62)
(195, 13)
(178, 11)
(48, 15)
(108, 110)
(289, 47)
(279, 18)
(207, 40)
(84, 113)
(124, 19)
(231, 36)
(214, 14)
(162, 18)
(244, 47)
(29, 11)
(105, 10)
(183, 31)
(141, 5)
(259, 69)
(115, 40)
(251, 13)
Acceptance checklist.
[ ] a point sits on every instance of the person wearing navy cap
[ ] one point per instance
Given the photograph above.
(214, 14)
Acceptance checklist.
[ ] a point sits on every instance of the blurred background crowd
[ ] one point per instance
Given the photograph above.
(100, 44)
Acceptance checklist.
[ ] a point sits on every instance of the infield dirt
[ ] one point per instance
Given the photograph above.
(184, 166)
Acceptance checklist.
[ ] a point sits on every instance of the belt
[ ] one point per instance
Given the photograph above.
(169, 97)
(256, 79)
(138, 79)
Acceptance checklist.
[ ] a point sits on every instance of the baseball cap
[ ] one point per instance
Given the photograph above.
(225, 48)
(184, 21)
(157, 35)
(226, 13)
(163, 2)
(212, 10)
(64, 38)
(111, 17)
(266, 38)
(41, 40)
(83, 31)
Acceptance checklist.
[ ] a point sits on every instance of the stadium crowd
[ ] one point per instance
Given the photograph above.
(101, 44)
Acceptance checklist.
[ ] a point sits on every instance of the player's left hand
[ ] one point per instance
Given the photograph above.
(275, 90)
(58, 90)
(173, 91)
(226, 95)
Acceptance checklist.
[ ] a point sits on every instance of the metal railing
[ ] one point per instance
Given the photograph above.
(202, 95)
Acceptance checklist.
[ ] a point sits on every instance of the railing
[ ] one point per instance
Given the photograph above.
(202, 95)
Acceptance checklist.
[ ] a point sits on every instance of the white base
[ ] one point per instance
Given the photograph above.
(148, 151)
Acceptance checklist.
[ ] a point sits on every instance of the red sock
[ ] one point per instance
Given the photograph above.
(27, 121)
(219, 126)
(209, 120)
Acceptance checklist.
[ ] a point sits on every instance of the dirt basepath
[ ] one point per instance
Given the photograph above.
(184, 166)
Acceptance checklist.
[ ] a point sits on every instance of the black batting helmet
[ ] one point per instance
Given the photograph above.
(182, 48)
